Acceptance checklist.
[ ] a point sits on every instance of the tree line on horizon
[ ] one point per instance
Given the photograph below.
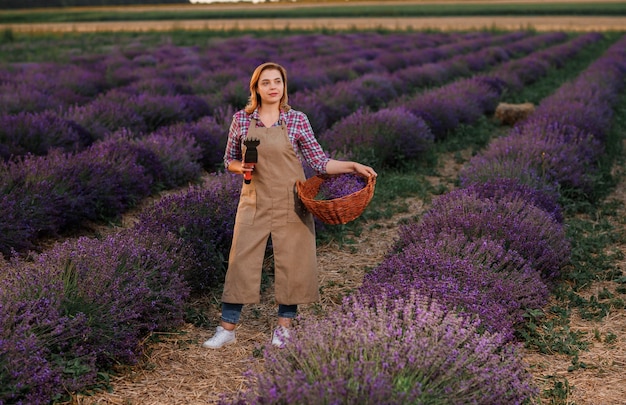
(15, 4)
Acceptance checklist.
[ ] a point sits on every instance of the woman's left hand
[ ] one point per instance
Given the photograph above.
(345, 166)
(364, 171)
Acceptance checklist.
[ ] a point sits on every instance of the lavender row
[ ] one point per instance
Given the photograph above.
(561, 142)
(329, 104)
(42, 196)
(169, 70)
(408, 127)
(478, 259)
(465, 100)
(87, 304)
(155, 94)
(507, 220)
(37, 209)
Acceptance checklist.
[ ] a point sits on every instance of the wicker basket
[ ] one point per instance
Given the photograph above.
(339, 210)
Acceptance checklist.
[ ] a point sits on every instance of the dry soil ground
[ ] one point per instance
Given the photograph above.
(575, 24)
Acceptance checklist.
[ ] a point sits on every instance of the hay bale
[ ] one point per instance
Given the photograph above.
(509, 114)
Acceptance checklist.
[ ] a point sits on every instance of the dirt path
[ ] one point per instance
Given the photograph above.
(580, 24)
(602, 379)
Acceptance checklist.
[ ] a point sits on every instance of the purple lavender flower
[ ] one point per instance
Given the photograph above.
(208, 134)
(546, 197)
(22, 97)
(446, 107)
(340, 186)
(519, 226)
(559, 153)
(177, 156)
(310, 104)
(39, 342)
(387, 137)
(406, 350)
(37, 133)
(126, 285)
(476, 278)
(203, 217)
(107, 114)
(339, 100)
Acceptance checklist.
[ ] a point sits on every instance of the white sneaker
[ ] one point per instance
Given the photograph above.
(279, 336)
(222, 337)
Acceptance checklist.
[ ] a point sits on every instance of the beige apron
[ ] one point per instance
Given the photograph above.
(269, 206)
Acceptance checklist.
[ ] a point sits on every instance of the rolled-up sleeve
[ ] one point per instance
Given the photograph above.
(309, 146)
(233, 145)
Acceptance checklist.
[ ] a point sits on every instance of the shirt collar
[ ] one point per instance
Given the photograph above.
(282, 116)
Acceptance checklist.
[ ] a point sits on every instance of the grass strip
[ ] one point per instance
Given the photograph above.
(327, 11)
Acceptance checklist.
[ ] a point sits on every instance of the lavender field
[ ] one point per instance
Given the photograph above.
(93, 135)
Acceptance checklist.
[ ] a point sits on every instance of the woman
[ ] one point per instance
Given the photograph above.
(269, 205)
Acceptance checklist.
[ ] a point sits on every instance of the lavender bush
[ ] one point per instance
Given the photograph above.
(388, 137)
(127, 285)
(103, 181)
(544, 196)
(31, 206)
(480, 170)
(204, 217)
(208, 135)
(309, 104)
(44, 195)
(307, 75)
(560, 153)
(177, 158)
(476, 278)
(70, 83)
(515, 223)
(83, 306)
(376, 89)
(157, 85)
(339, 100)
(445, 108)
(408, 350)
(106, 114)
(43, 350)
(158, 111)
(18, 96)
(37, 133)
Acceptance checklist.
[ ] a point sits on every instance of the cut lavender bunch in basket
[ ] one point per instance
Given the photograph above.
(340, 186)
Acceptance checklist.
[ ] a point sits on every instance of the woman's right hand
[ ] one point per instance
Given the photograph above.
(238, 167)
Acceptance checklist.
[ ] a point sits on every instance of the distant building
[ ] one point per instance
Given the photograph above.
(230, 1)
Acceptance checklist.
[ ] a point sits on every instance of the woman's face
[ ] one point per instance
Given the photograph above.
(270, 87)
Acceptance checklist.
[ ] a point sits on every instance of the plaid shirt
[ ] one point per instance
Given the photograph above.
(299, 131)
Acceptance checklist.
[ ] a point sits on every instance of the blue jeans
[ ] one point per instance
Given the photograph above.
(231, 312)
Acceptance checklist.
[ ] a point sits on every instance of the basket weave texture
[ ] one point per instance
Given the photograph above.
(339, 210)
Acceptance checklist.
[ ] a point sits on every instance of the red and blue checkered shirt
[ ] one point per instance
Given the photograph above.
(300, 134)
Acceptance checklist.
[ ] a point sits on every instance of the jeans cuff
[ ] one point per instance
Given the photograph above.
(287, 311)
(231, 312)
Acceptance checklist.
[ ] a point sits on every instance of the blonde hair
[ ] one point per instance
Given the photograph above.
(255, 101)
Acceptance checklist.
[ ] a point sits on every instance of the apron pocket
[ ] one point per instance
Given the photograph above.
(297, 211)
(247, 206)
